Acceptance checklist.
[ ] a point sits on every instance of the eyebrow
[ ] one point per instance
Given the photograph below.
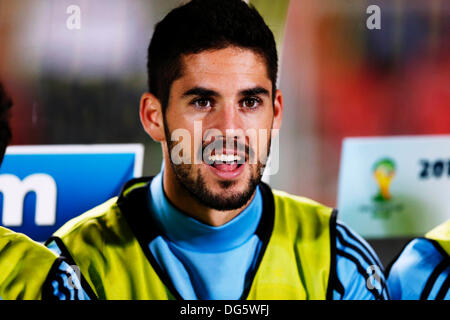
(254, 92)
(204, 92)
(200, 91)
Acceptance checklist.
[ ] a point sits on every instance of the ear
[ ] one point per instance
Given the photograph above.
(277, 110)
(151, 116)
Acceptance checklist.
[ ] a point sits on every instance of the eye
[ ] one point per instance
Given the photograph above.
(251, 103)
(202, 103)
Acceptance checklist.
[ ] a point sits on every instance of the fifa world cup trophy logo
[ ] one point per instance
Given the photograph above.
(383, 172)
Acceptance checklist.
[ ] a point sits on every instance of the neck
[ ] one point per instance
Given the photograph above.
(188, 204)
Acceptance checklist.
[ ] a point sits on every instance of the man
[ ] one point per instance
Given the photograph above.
(206, 227)
(422, 269)
(24, 264)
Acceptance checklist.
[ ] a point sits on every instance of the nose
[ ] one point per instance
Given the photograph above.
(227, 119)
(226, 124)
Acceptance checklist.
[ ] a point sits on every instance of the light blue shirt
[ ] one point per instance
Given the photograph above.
(422, 271)
(205, 262)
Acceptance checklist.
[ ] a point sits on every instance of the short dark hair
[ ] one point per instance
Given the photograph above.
(203, 25)
(5, 131)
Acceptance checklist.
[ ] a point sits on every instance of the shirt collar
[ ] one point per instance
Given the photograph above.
(192, 234)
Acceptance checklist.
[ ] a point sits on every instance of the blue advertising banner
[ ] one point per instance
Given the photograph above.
(42, 187)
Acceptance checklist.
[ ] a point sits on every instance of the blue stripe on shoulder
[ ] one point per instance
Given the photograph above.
(353, 248)
(66, 283)
(439, 284)
(359, 242)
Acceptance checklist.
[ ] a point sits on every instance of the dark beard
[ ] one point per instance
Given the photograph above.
(222, 202)
(199, 190)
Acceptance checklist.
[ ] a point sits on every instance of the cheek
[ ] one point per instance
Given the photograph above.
(265, 136)
(262, 119)
(181, 135)
(263, 145)
(259, 136)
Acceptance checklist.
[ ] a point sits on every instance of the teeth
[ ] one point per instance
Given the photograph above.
(224, 157)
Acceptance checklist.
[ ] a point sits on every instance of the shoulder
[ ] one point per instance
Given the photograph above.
(9, 237)
(359, 270)
(302, 203)
(93, 222)
(18, 244)
(107, 219)
(419, 252)
(82, 243)
(441, 234)
(297, 215)
(419, 270)
(302, 209)
(87, 237)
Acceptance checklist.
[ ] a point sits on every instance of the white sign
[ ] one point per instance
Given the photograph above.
(394, 186)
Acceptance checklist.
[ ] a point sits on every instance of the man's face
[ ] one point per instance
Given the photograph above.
(228, 93)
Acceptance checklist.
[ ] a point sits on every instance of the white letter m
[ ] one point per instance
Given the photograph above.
(14, 192)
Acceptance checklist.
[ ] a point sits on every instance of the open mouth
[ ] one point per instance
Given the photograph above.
(226, 165)
(225, 162)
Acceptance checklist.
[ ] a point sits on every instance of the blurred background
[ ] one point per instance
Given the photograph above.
(81, 84)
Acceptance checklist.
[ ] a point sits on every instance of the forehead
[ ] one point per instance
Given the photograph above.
(224, 64)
